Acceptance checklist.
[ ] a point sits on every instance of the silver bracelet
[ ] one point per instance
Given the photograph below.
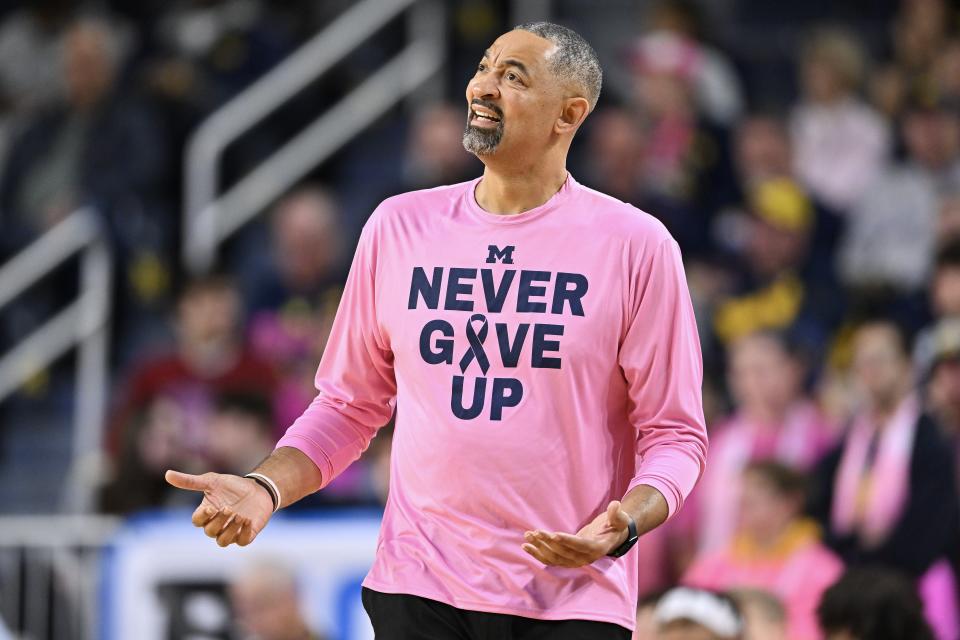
(269, 485)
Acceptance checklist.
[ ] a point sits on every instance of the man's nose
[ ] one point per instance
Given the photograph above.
(484, 87)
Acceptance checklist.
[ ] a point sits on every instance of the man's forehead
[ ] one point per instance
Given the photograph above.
(520, 45)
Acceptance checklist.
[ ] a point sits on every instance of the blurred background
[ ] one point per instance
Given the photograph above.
(181, 188)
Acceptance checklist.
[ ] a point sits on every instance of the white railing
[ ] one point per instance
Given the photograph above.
(81, 325)
(50, 575)
(208, 218)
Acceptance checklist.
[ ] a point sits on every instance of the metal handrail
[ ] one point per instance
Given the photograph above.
(208, 219)
(82, 325)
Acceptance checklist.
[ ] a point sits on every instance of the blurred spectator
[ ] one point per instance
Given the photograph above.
(616, 157)
(763, 152)
(292, 297)
(891, 237)
(780, 283)
(615, 145)
(96, 149)
(942, 367)
(773, 421)
(716, 84)
(214, 48)
(646, 628)
(763, 615)
(305, 254)
(434, 153)
(869, 604)
(946, 71)
(31, 43)
(944, 296)
(266, 601)
(686, 160)
(693, 614)
(241, 432)
(887, 495)
(840, 142)
(163, 415)
(948, 222)
(919, 33)
(775, 549)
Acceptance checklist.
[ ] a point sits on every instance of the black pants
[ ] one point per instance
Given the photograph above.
(404, 617)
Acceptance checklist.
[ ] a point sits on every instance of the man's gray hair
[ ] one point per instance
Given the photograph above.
(574, 58)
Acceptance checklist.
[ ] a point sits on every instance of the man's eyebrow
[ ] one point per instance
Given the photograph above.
(509, 62)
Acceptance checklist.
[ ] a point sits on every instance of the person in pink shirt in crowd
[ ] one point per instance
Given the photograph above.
(540, 343)
(773, 421)
(775, 549)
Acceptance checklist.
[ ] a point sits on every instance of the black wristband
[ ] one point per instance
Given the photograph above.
(274, 498)
(631, 540)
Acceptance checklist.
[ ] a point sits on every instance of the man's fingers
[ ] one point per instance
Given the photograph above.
(616, 516)
(203, 514)
(217, 523)
(572, 556)
(247, 534)
(545, 555)
(230, 532)
(535, 552)
(574, 543)
(188, 481)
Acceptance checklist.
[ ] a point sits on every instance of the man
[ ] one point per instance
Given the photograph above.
(540, 341)
(266, 602)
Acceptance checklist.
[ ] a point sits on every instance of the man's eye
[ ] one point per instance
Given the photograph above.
(512, 77)
(481, 67)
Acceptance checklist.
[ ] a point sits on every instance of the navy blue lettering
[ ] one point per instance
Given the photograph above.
(444, 352)
(541, 344)
(496, 298)
(572, 296)
(456, 398)
(455, 288)
(501, 398)
(429, 291)
(510, 353)
(495, 253)
(527, 289)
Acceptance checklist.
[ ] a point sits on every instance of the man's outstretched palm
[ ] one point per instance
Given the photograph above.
(604, 534)
(233, 509)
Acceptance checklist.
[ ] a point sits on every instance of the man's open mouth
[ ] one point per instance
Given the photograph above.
(483, 115)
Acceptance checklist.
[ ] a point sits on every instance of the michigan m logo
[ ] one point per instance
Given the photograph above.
(504, 255)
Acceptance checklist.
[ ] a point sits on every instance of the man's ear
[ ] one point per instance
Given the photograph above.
(574, 112)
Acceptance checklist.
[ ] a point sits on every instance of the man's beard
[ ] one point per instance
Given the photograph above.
(482, 142)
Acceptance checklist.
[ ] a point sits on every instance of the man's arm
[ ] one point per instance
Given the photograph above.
(661, 363)
(295, 475)
(356, 391)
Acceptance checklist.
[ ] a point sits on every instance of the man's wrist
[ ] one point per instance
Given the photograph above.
(628, 542)
(267, 485)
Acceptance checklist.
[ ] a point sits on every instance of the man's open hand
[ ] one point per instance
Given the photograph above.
(233, 510)
(607, 532)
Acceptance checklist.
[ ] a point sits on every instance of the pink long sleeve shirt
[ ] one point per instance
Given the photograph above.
(542, 364)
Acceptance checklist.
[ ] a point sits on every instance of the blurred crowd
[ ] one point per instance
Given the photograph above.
(818, 214)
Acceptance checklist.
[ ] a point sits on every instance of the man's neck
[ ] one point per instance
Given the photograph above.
(509, 192)
(883, 409)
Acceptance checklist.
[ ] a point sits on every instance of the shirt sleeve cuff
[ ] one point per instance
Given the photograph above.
(667, 489)
(313, 451)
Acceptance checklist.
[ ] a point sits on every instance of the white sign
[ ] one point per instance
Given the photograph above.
(331, 554)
